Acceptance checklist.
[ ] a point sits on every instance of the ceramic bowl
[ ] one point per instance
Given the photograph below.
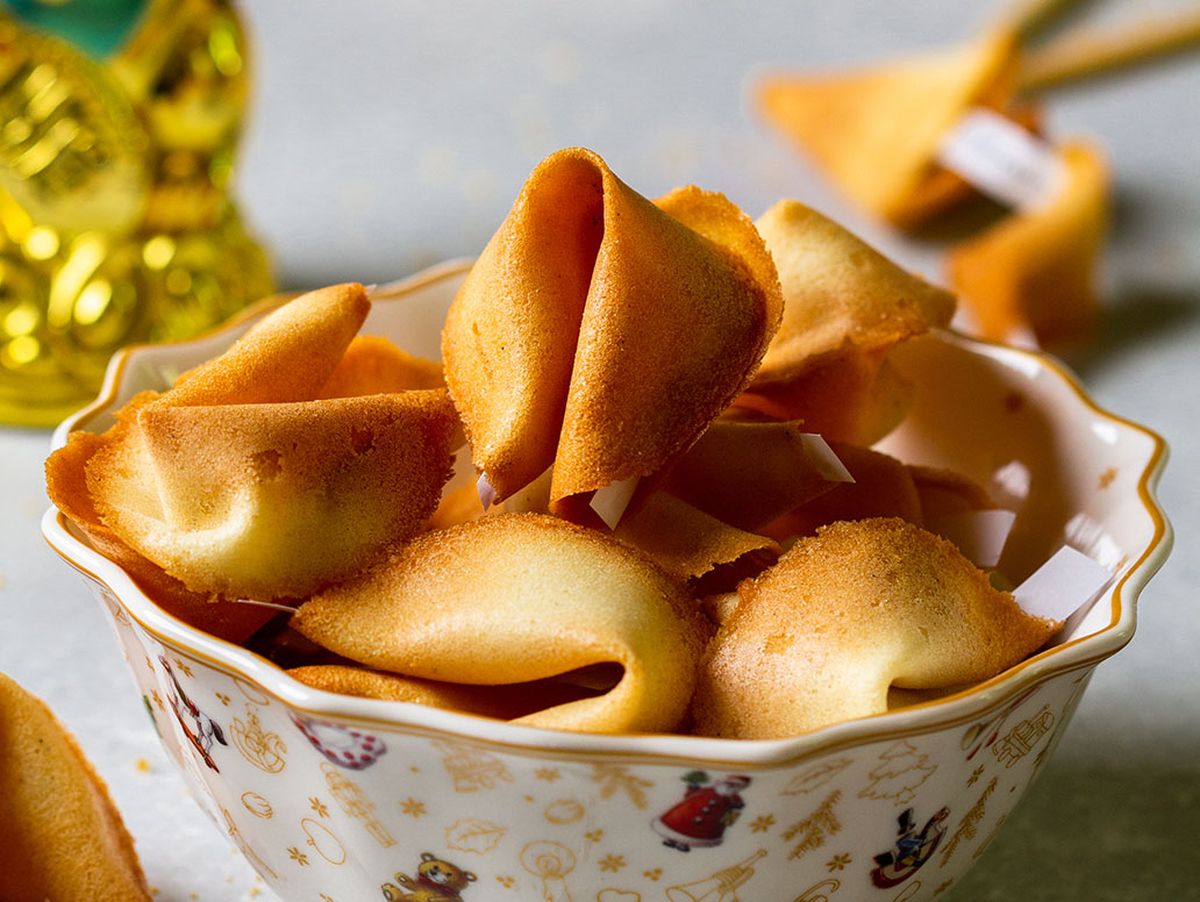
(337, 798)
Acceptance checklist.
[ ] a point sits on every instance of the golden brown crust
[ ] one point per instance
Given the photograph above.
(373, 365)
(514, 598)
(840, 295)
(242, 497)
(861, 606)
(685, 541)
(561, 346)
(63, 837)
(1037, 269)
(287, 356)
(875, 130)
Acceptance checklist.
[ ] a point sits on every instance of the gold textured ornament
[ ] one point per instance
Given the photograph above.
(116, 223)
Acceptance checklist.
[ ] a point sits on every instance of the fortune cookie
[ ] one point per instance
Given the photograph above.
(600, 332)
(845, 307)
(1036, 270)
(844, 615)
(238, 482)
(514, 598)
(66, 485)
(61, 837)
(875, 131)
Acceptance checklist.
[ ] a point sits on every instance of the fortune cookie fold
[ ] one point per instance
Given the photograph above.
(564, 344)
(876, 131)
(238, 482)
(861, 606)
(1036, 271)
(61, 837)
(513, 598)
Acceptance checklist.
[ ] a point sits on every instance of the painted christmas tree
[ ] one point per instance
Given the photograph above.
(969, 827)
(901, 770)
(815, 829)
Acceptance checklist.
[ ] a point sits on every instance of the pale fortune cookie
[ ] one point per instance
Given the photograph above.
(821, 636)
(563, 345)
(61, 837)
(515, 598)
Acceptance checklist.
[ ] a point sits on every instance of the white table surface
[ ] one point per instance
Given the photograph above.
(388, 135)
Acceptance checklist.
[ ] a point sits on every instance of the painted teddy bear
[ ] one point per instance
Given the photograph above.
(436, 881)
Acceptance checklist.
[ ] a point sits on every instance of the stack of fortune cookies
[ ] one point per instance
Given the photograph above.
(647, 445)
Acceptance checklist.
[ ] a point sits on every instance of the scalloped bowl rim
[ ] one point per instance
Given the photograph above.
(927, 717)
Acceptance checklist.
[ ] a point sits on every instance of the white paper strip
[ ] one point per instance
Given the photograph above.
(1001, 159)
(1061, 586)
(826, 463)
(610, 502)
(487, 491)
(979, 535)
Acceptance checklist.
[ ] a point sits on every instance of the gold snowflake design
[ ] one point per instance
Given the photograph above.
(412, 807)
(594, 835)
(319, 807)
(652, 874)
(612, 863)
(507, 882)
(187, 671)
(838, 863)
(549, 774)
(975, 775)
(222, 698)
(157, 699)
(762, 823)
(297, 856)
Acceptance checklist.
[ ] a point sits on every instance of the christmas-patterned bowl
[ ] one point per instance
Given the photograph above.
(337, 798)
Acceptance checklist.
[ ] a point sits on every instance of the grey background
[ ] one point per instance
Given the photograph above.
(389, 135)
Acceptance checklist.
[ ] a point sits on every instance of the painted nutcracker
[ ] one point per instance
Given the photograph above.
(707, 809)
(912, 850)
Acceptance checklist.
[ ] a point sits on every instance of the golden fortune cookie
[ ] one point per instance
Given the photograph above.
(1036, 270)
(875, 131)
(563, 346)
(61, 837)
(238, 483)
(514, 598)
(843, 616)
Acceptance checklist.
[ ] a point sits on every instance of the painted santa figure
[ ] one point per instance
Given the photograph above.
(707, 809)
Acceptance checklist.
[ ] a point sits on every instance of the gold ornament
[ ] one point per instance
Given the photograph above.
(116, 224)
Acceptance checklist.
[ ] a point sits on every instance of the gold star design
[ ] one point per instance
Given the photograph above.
(612, 863)
(507, 882)
(1107, 477)
(187, 671)
(321, 809)
(594, 835)
(412, 807)
(222, 698)
(157, 699)
(838, 863)
(652, 874)
(762, 823)
(549, 774)
(975, 775)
